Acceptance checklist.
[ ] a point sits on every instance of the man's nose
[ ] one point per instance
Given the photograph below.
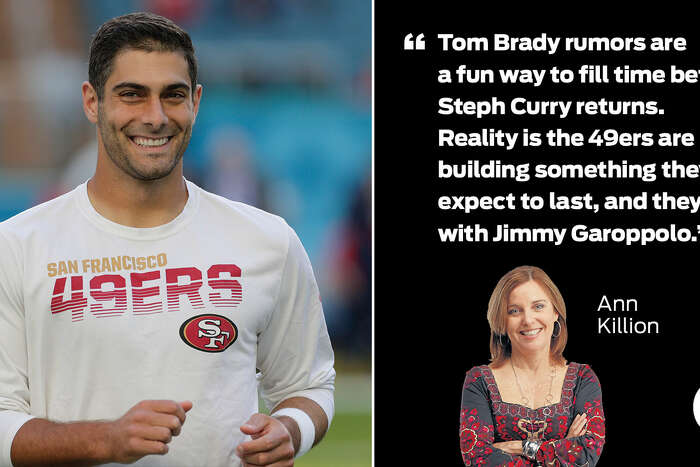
(154, 114)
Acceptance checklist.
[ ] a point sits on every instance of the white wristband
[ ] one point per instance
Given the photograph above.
(306, 427)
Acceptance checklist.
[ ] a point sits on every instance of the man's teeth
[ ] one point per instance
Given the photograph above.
(150, 141)
(530, 333)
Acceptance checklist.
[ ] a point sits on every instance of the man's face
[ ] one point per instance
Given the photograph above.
(146, 115)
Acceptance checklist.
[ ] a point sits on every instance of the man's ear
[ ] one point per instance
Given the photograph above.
(196, 97)
(90, 102)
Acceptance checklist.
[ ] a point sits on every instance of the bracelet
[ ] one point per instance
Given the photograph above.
(307, 430)
(530, 448)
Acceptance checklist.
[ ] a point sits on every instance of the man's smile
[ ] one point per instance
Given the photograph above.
(147, 142)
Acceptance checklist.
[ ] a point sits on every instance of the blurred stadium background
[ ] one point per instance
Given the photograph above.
(284, 125)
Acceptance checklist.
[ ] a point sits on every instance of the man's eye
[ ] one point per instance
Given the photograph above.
(129, 94)
(175, 95)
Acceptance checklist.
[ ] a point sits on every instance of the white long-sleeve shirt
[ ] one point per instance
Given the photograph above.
(96, 316)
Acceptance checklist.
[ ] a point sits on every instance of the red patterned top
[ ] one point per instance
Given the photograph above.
(486, 419)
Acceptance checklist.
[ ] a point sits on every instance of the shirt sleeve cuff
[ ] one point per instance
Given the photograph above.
(10, 423)
(323, 397)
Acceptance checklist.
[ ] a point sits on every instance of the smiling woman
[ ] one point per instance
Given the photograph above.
(529, 407)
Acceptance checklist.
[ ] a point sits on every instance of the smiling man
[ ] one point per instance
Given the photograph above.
(138, 301)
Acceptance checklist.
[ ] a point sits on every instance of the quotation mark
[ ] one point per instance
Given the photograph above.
(410, 44)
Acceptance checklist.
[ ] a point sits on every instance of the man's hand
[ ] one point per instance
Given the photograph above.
(145, 429)
(271, 445)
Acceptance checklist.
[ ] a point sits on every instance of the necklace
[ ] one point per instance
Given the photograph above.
(524, 400)
(533, 434)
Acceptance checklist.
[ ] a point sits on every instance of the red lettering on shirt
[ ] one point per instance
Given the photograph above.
(213, 275)
(108, 293)
(191, 289)
(139, 293)
(77, 303)
(115, 299)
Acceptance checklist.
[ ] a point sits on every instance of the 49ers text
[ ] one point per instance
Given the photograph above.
(109, 292)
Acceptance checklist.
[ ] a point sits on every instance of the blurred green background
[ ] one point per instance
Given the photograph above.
(348, 442)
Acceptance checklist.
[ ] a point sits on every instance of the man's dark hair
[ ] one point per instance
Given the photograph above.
(139, 31)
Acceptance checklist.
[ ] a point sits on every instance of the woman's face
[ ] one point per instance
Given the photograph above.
(530, 318)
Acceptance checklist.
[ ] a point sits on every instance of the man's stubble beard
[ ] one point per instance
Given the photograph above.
(119, 154)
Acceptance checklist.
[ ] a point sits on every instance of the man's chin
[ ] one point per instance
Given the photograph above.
(152, 166)
(151, 174)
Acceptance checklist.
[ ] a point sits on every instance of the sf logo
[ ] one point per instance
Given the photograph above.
(210, 329)
(209, 333)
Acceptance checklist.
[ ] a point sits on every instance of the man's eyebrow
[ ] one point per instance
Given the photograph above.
(129, 85)
(172, 87)
(141, 87)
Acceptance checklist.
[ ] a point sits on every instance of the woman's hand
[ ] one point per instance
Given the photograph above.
(578, 426)
(511, 447)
